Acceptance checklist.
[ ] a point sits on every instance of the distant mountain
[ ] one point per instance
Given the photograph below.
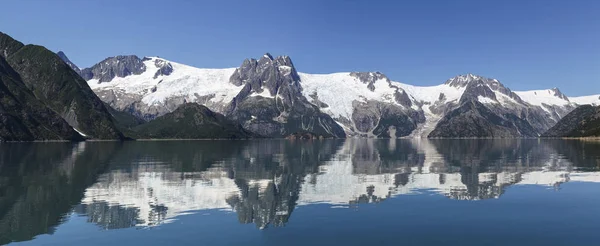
(54, 84)
(72, 65)
(488, 109)
(269, 97)
(584, 121)
(263, 95)
(191, 121)
(109, 68)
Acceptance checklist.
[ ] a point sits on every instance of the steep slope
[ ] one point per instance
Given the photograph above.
(584, 121)
(56, 85)
(23, 117)
(191, 121)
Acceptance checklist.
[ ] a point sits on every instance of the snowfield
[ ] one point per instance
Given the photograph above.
(339, 90)
(184, 81)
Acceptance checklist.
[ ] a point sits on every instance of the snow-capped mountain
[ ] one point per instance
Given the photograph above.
(270, 97)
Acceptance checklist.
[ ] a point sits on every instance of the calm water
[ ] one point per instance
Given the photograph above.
(279, 192)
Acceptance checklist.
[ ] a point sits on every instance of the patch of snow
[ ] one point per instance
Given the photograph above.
(431, 94)
(486, 100)
(265, 93)
(80, 133)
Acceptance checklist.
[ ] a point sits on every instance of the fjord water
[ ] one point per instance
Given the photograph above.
(319, 192)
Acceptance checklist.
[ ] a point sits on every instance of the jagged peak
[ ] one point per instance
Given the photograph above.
(282, 64)
(61, 54)
(65, 59)
(121, 57)
(557, 93)
(465, 79)
(366, 77)
(8, 45)
(115, 66)
(268, 56)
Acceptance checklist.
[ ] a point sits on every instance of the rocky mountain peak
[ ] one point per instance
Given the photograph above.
(266, 72)
(268, 56)
(559, 94)
(271, 102)
(8, 45)
(464, 80)
(370, 78)
(165, 68)
(117, 66)
(64, 57)
(476, 86)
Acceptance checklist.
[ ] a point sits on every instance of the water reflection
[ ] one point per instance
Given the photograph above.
(121, 185)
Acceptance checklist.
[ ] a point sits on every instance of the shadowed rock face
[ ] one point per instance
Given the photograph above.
(192, 121)
(380, 119)
(285, 111)
(476, 86)
(369, 78)
(506, 116)
(164, 68)
(118, 66)
(584, 121)
(23, 117)
(53, 83)
(473, 119)
(384, 120)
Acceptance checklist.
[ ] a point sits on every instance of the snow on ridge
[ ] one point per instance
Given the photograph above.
(183, 81)
(431, 94)
(486, 100)
(339, 90)
(540, 97)
(583, 100)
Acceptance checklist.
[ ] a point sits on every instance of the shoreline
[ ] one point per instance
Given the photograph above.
(293, 139)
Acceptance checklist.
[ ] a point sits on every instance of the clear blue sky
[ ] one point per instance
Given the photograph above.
(526, 44)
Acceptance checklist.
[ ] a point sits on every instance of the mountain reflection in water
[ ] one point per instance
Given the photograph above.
(144, 184)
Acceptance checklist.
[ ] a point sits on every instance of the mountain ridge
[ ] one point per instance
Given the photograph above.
(363, 104)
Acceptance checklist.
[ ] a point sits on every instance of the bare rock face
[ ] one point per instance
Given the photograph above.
(285, 111)
(164, 68)
(118, 66)
(384, 120)
(370, 78)
(506, 116)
